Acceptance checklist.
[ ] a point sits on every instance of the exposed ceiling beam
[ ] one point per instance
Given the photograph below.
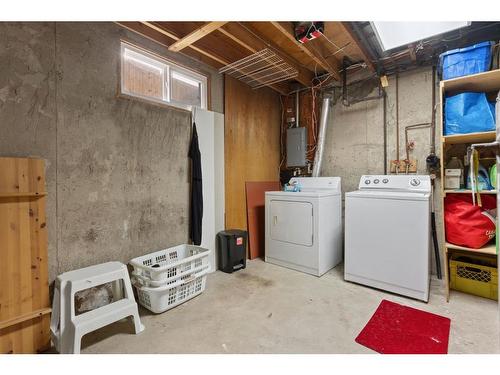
(286, 29)
(250, 39)
(352, 35)
(175, 37)
(237, 40)
(195, 35)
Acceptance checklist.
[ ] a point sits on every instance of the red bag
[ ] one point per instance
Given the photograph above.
(466, 224)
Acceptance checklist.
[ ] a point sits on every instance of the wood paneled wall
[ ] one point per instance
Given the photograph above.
(252, 144)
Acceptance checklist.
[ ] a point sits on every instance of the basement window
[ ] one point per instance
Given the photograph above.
(148, 76)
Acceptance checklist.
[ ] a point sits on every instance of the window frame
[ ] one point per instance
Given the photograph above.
(169, 67)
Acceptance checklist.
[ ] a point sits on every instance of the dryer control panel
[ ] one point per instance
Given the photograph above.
(318, 183)
(419, 183)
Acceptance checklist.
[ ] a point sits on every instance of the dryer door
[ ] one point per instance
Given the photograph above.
(292, 222)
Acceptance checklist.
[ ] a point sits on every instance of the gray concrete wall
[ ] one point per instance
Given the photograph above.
(117, 169)
(355, 135)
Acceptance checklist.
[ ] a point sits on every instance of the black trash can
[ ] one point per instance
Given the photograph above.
(232, 250)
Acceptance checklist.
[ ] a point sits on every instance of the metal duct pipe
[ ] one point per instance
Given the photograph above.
(297, 117)
(318, 157)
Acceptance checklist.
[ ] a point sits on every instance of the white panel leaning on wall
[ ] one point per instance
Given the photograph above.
(210, 127)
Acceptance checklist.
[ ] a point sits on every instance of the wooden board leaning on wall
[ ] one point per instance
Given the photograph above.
(24, 292)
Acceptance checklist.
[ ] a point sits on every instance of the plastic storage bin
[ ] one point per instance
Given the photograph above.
(465, 61)
(166, 278)
(474, 275)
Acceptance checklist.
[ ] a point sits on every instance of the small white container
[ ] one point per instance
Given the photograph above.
(452, 178)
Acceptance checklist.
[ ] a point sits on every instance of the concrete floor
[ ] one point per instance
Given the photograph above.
(270, 309)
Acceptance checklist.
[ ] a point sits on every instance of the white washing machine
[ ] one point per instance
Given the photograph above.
(388, 234)
(304, 229)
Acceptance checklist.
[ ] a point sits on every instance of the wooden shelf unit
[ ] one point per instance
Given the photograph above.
(482, 82)
(467, 191)
(469, 138)
(489, 248)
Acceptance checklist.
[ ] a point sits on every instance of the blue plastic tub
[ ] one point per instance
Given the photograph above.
(468, 112)
(465, 61)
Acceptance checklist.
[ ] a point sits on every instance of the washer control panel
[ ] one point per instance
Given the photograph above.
(396, 182)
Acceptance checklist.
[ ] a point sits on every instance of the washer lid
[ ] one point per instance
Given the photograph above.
(385, 194)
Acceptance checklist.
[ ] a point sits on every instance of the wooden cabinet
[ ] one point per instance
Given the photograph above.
(24, 290)
(455, 145)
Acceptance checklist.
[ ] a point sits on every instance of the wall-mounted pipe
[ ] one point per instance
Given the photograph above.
(433, 118)
(385, 131)
(414, 127)
(397, 121)
(431, 125)
(318, 157)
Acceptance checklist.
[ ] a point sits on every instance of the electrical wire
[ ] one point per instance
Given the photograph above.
(313, 115)
(324, 59)
(339, 49)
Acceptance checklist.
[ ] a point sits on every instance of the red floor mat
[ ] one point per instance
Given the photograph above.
(398, 329)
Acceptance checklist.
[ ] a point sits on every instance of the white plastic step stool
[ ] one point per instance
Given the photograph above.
(67, 328)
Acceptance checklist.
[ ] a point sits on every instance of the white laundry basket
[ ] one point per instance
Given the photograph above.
(169, 264)
(166, 278)
(164, 298)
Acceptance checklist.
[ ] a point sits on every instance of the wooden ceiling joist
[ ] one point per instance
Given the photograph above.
(175, 37)
(237, 40)
(195, 35)
(332, 67)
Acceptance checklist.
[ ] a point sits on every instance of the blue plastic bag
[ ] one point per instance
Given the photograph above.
(468, 112)
(465, 61)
